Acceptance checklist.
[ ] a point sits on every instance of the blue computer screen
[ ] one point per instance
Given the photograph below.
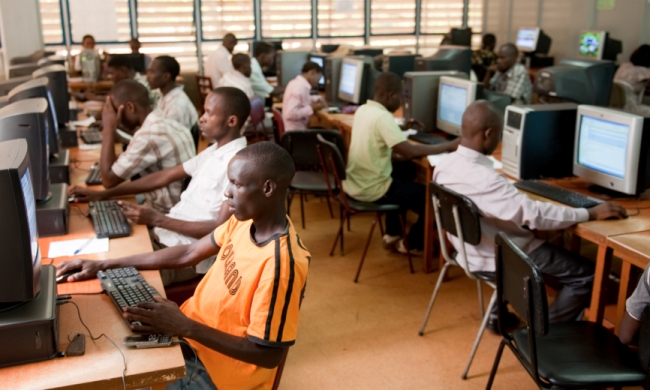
(30, 206)
(319, 61)
(526, 38)
(452, 104)
(348, 78)
(602, 145)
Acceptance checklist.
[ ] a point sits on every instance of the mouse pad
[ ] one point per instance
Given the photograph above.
(91, 286)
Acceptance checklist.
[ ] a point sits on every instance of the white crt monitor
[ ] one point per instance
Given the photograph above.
(351, 80)
(527, 39)
(611, 149)
(592, 44)
(454, 95)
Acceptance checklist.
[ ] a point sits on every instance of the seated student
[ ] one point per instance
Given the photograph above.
(135, 45)
(264, 57)
(218, 62)
(631, 322)
(244, 313)
(297, 103)
(484, 57)
(158, 143)
(504, 209)
(87, 43)
(635, 76)
(173, 103)
(238, 76)
(120, 68)
(374, 137)
(508, 76)
(199, 210)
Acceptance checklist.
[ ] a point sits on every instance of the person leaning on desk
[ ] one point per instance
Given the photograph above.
(244, 313)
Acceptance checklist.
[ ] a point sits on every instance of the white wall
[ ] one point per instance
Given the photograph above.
(20, 28)
(563, 20)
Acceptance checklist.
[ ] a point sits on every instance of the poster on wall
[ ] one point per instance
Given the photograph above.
(95, 17)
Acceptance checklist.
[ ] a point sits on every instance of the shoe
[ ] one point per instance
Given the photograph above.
(389, 242)
(401, 248)
(510, 321)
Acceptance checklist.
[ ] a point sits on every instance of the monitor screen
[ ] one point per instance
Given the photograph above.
(319, 61)
(348, 78)
(30, 206)
(452, 104)
(590, 44)
(602, 145)
(526, 39)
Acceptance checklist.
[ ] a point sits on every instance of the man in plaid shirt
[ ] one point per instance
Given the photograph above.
(510, 77)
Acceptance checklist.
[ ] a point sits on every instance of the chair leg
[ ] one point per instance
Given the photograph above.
(329, 206)
(365, 250)
(381, 227)
(349, 223)
(495, 366)
(480, 333)
(302, 209)
(406, 243)
(481, 308)
(441, 277)
(339, 234)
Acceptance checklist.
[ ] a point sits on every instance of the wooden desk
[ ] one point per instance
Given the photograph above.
(101, 366)
(78, 85)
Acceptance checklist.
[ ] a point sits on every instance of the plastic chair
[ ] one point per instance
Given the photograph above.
(204, 86)
(278, 129)
(309, 179)
(334, 165)
(577, 354)
(459, 216)
(257, 119)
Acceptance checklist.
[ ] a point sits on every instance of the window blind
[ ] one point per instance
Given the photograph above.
(340, 19)
(51, 21)
(286, 18)
(219, 17)
(392, 17)
(166, 20)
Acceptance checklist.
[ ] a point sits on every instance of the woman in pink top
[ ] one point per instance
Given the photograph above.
(297, 104)
(635, 76)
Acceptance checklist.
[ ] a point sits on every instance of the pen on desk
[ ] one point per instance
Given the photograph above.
(84, 245)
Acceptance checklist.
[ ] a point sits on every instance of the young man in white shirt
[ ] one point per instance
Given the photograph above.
(158, 143)
(504, 209)
(297, 103)
(238, 77)
(370, 172)
(508, 76)
(174, 102)
(218, 62)
(199, 211)
(264, 57)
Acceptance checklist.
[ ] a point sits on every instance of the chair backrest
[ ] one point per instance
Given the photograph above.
(301, 145)
(196, 132)
(644, 340)
(333, 166)
(204, 86)
(617, 98)
(278, 129)
(257, 111)
(467, 210)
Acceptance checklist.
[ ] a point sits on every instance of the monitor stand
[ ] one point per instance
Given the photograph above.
(30, 332)
(52, 216)
(60, 167)
(596, 189)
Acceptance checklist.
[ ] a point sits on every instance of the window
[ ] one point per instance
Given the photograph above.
(389, 17)
(338, 18)
(439, 16)
(166, 20)
(51, 22)
(219, 17)
(121, 14)
(286, 18)
(401, 42)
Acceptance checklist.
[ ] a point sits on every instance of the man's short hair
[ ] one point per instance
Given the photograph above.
(128, 90)
(309, 65)
(120, 61)
(510, 49)
(489, 39)
(169, 65)
(388, 82)
(271, 160)
(87, 36)
(235, 102)
(240, 59)
(262, 48)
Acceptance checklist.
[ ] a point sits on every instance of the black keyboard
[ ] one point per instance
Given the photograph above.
(426, 138)
(558, 194)
(126, 287)
(108, 219)
(94, 176)
(91, 136)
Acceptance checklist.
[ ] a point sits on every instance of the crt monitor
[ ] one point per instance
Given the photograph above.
(34, 89)
(457, 58)
(533, 40)
(20, 264)
(598, 45)
(611, 149)
(367, 51)
(57, 84)
(351, 80)
(27, 119)
(7, 85)
(454, 95)
(461, 36)
(319, 58)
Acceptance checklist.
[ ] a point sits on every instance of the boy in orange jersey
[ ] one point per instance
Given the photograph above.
(244, 313)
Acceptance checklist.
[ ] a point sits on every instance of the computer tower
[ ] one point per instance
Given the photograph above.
(332, 74)
(289, 65)
(538, 140)
(399, 63)
(421, 95)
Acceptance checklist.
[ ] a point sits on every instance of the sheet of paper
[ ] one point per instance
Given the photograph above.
(84, 123)
(410, 132)
(124, 135)
(69, 247)
(436, 158)
(89, 146)
(497, 164)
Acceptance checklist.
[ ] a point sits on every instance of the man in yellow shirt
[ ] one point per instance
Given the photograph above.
(244, 313)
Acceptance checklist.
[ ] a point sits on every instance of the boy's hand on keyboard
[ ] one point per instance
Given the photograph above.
(88, 268)
(162, 317)
(412, 124)
(83, 194)
(142, 215)
(607, 210)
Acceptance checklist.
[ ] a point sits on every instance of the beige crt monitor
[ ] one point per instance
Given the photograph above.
(454, 95)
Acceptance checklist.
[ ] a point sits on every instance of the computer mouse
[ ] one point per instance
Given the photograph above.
(64, 278)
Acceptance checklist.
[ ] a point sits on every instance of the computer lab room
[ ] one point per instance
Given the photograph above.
(324, 194)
